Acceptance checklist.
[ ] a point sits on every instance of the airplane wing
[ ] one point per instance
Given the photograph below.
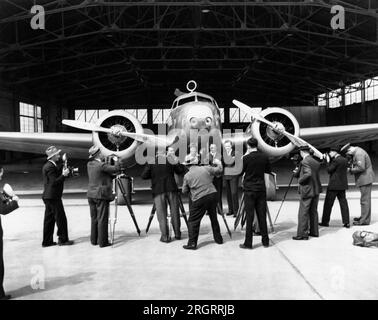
(324, 137)
(76, 145)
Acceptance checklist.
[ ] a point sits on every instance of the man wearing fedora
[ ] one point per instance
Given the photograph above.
(100, 193)
(199, 182)
(364, 176)
(53, 179)
(309, 190)
(338, 183)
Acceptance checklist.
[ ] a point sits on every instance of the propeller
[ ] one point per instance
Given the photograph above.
(141, 137)
(294, 139)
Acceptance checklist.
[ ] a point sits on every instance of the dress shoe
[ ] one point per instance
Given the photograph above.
(265, 243)
(178, 237)
(219, 241)
(94, 243)
(300, 238)
(357, 223)
(49, 245)
(346, 225)
(357, 219)
(66, 243)
(6, 297)
(243, 246)
(105, 245)
(190, 246)
(324, 224)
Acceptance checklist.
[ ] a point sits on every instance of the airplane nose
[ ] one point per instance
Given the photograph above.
(200, 117)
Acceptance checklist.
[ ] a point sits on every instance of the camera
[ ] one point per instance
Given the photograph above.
(73, 171)
(296, 159)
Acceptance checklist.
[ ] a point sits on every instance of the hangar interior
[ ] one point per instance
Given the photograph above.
(94, 56)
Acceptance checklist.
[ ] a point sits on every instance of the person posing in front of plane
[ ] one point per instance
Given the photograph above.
(338, 182)
(364, 176)
(165, 191)
(7, 205)
(309, 190)
(218, 180)
(255, 165)
(199, 181)
(100, 193)
(231, 177)
(53, 179)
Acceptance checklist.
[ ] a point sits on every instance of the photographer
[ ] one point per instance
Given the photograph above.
(309, 189)
(165, 191)
(338, 183)
(53, 179)
(363, 172)
(7, 205)
(100, 193)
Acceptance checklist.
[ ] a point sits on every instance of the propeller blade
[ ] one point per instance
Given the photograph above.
(294, 139)
(85, 126)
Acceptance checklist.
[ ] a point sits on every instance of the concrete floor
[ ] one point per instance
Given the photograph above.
(328, 267)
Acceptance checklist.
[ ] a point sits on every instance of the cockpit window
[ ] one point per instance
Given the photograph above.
(204, 99)
(186, 100)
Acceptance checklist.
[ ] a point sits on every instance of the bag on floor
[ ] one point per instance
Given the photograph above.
(365, 239)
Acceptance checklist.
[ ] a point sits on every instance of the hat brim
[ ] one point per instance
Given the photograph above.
(54, 154)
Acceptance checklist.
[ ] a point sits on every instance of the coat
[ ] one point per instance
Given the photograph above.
(337, 170)
(308, 178)
(255, 165)
(100, 177)
(232, 164)
(362, 168)
(162, 176)
(53, 181)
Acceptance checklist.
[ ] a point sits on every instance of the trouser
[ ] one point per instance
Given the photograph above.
(54, 213)
(99, 211)
(232, 187)
(308, 215)
(328, 204)
(161, 202)
(198, 209)
(218, 184)
(2, 293)
(365, 204)
(255, 200)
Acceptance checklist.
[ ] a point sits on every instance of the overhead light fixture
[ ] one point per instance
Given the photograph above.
(205, 10)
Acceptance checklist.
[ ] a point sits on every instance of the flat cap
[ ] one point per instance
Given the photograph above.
(345, 148)
(93, 151)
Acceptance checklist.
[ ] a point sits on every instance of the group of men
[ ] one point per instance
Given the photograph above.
(204, 185)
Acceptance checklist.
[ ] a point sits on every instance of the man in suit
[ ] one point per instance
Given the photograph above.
(231, 177)
(7, 205)
(165, 191)
(218, 180)
(309, 190)
(338, 183)
(53, 179)
(255, 164)
(100, 193)
(199, 182)
(364, 176)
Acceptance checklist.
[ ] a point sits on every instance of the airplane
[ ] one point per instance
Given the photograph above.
(120, 133)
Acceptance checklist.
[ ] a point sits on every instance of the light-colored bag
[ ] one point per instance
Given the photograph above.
(365, 239)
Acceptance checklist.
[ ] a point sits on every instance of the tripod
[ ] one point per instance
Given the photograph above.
(183, 214)
(241, 215)
(220, 211)
(284, 198)
(118, 186)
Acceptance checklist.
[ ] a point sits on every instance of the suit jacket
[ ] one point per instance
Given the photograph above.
(362, 168)
(100, 177)
(53, 181)
(211, 162)
(162, 176)
(308, 178)
(232, 164)
(255, 165)
(337, 170)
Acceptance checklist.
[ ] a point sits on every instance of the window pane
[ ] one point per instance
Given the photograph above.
(166, 113)
(157, 116)
(322, 99)
(40, 125)
(91, 115)
(80, 115)
(39, 112)
(142, 116)
(234, 115)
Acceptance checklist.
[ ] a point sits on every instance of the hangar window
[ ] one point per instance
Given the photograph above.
(322, 99)
(234, 115)
(353, 93)
(221, 111)
(30, 118)
(140, 114)
(371, 89)
(89, 115)
(335, 98)
(160, 115)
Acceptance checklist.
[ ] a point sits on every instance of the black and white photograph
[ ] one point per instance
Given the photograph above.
(188, 154)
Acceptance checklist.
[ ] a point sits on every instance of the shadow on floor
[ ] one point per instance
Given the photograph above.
(54, 283)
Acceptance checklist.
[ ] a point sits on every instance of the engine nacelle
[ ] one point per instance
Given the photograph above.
(271, 142)
(123, 147)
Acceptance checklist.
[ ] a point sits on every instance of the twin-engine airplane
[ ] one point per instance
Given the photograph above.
(120, 133)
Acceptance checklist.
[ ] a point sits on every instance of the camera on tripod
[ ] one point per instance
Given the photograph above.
(73, 171)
